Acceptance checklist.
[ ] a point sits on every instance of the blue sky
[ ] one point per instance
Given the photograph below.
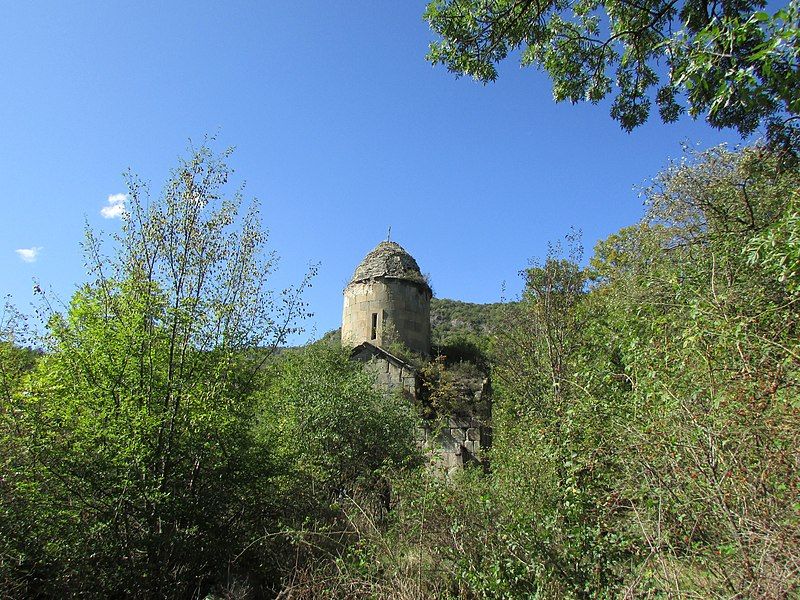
(341, 129)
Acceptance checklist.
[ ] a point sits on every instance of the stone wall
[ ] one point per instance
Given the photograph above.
(391, 373)
(456, 443)
(403, 314)
(450, 443)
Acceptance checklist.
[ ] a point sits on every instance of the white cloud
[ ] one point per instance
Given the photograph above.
(29, 255)
(116, 206)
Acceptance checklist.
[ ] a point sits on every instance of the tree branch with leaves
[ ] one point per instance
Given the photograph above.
(729, 60)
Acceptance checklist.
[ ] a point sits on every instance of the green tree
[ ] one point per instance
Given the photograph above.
(331, 429)
(728, 60)
(703, 318)
(17, 563)
(555, 458)
(136, 472)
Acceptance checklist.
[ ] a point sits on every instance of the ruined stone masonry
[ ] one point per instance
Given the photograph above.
(387, 301)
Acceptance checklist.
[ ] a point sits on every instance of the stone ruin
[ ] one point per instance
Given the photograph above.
(387, 302)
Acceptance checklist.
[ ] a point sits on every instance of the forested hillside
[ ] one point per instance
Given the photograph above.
(628, 427)
(646, 417)
(453, 318)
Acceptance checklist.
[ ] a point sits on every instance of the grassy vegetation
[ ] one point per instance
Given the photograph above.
(646, 419)
(464, 320)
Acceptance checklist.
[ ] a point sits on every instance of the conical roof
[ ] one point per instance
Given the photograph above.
(389, 259)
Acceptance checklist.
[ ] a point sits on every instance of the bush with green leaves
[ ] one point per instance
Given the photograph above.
(331, 429)
(706, 330)
(129, 461)
(646, 421)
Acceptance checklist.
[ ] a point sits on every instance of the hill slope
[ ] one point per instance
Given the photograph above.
(453, 318)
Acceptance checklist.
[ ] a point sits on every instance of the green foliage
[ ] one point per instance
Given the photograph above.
(16, 360)
(729, 60)
(740, 68)
(706, 334)
(17, 565)
(332, 338)
(454, 384)
(441, 395)
(329, 427)
(776, 248)
(332, 437)
(454, 322)
(397, 348)
(646, 423)
(462, 352)
(131, 467)
(554, 457)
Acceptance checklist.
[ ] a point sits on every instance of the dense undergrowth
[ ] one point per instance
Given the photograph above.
(646, 417)
(646, 420)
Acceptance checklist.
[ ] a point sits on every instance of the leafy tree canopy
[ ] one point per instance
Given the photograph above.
(728, 60)
(128, 464)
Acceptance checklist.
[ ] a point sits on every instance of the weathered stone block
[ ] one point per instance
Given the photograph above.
(459, 422)
(421, 435)
(447, 443)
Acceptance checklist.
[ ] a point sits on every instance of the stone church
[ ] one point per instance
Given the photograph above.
(387, 303)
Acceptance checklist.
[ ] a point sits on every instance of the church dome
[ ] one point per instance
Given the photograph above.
(390, 260)
(388, 301)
